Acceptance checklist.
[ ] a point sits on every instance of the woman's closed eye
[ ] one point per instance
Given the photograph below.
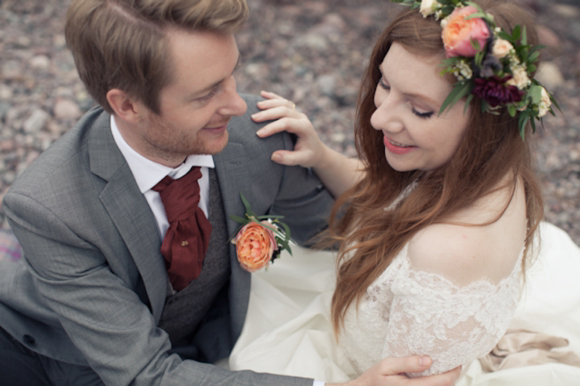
(424, 115)
(384, 84)
(421, 114)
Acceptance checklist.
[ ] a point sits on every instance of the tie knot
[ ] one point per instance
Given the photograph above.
(180, 197)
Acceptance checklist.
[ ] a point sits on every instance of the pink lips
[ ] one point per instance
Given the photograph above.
(396, 149)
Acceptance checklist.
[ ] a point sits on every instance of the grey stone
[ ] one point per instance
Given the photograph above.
(326, 84)
(4, 108)
(11, 70)
(40, 62)
(36, 121)
(66, 109)
(549, 75)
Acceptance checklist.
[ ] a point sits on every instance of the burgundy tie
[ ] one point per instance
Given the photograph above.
(187, 237)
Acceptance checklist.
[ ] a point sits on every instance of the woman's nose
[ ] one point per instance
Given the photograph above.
(385, 118)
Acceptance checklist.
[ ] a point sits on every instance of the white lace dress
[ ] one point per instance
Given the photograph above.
(407, 312)
(288, 329)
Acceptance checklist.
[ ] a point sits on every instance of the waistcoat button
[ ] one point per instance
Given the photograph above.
(29, 339)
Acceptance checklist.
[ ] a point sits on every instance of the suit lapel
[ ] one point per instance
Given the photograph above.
(232, 176)
(129, 212)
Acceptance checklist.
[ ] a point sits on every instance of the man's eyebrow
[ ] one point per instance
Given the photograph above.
(412, 95)
(200, 93)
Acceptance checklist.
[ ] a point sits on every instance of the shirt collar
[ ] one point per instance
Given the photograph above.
(148, 173)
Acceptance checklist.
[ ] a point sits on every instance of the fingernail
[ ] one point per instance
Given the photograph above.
(276, 157)
(260, 132)
(423, 361)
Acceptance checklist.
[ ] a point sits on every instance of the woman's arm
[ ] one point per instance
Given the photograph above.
(336, 171)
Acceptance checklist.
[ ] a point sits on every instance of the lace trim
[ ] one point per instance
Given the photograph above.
(407, 312)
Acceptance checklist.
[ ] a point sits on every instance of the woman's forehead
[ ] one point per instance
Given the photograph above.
(415, 74)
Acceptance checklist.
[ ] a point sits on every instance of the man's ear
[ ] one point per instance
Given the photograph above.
(124, 106)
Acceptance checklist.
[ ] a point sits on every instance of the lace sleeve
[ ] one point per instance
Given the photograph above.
(453, 325)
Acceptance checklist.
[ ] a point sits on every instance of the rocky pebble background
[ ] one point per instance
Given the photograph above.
(311, 51)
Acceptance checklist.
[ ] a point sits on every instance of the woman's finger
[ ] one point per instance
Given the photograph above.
(276, 113)
(284, 124)
(270, 95)
(271, 103)
(274, 100)
(290, 158)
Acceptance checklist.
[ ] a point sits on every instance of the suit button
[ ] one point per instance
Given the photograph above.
(29, 339)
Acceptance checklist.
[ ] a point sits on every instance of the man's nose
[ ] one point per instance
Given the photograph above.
(234, 105)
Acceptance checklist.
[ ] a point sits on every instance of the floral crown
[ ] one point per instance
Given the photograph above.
(488, 62)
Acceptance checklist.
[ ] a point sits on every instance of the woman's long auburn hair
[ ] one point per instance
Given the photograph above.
(491, 149)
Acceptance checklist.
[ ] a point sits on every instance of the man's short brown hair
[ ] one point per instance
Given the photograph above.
(121, 43)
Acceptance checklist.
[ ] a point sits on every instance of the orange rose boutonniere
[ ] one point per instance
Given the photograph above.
(260, 240)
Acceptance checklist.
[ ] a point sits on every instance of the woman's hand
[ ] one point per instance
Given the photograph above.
(309, 150)
(337, 172)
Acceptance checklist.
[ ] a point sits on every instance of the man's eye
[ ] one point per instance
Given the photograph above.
(207, 97)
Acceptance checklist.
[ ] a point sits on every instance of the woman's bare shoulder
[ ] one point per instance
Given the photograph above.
(471, 246)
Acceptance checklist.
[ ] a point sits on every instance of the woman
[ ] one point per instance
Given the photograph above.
(435, 222)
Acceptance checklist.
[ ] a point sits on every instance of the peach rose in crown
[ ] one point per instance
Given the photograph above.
(255, 245)
(459, 32)
(501, 48)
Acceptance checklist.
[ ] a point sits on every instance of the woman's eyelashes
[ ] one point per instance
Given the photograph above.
(424, 115)
(384, 85)
(420, 114)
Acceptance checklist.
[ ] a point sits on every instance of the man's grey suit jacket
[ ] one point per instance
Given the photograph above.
(92, 285)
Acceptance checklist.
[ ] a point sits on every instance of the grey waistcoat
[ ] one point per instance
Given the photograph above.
(185, 309)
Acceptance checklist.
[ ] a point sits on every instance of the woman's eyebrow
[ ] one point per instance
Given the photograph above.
(412, 95)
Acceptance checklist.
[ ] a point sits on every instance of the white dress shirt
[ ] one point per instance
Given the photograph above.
(148, 173)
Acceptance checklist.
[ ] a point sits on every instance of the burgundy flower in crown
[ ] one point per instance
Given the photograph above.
(496, 91)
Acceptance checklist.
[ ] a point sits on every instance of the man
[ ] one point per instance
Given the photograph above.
(94, 301)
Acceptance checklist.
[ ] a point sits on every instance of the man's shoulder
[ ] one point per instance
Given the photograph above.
(243, 129)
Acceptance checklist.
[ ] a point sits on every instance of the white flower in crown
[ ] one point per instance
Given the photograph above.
(501, 48)
(428, 7)
(545, 103)
(465, 69)
(520, 77)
